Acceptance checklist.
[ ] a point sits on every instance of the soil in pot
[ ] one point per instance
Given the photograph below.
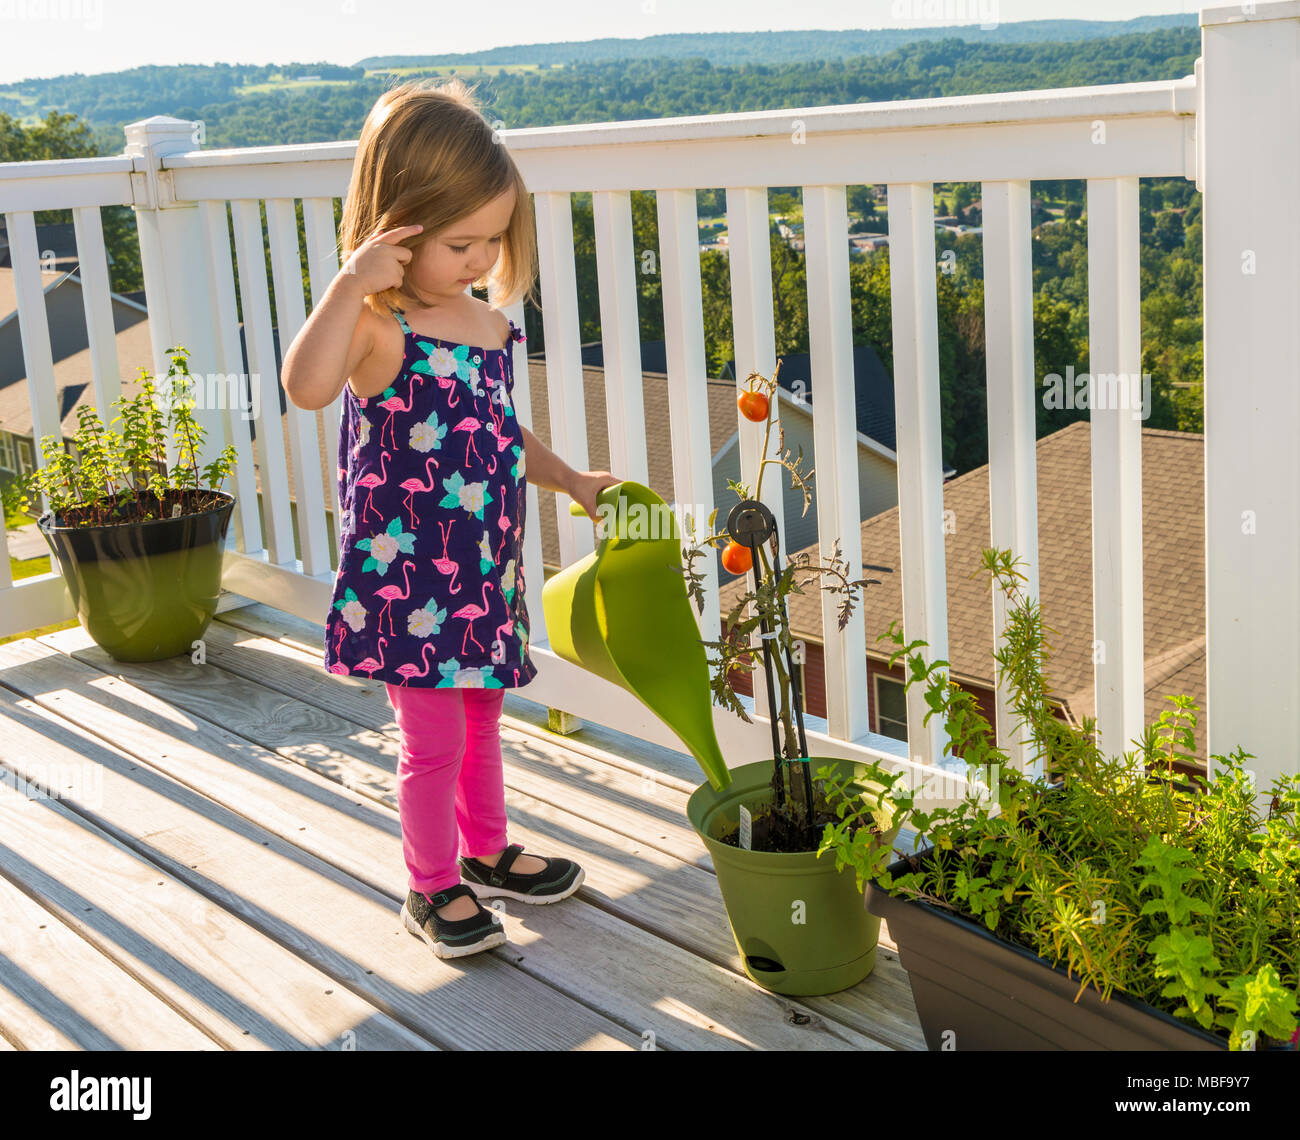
(781, 829)
(769, 833)
(173, 503)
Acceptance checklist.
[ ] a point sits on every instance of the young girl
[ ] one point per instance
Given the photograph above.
(429, 594)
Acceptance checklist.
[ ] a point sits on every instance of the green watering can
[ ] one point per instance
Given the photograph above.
(623, 613)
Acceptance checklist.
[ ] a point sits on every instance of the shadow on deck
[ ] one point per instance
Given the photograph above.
(219, 866)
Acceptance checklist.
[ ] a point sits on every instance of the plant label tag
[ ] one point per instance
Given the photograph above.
(746, 828)
(176, 510)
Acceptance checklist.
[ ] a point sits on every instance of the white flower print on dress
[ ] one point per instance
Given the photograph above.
(383, 547)
(471, 497)
(427, 620)
(468, 678)
(363, 435)
(354, 613)
(442, 360)
(427, 434)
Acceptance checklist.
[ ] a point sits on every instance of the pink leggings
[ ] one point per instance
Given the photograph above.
(449, 780)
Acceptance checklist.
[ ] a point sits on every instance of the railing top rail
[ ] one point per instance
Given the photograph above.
(262, 155)
(1171, 97)
(65, 167)
(1163, 97)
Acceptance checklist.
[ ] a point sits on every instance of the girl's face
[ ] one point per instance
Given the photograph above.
(464, 252)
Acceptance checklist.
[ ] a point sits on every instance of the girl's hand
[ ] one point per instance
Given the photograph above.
(380, 263)
(586, 484)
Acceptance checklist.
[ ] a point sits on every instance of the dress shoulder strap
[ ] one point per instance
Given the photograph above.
(401, 320)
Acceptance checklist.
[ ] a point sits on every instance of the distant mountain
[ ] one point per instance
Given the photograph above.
(729, 49)
(268, 105)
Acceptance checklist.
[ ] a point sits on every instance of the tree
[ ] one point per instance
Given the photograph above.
(61, 135)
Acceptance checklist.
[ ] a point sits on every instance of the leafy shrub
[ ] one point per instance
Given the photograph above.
(1186, 897)
(120, 477)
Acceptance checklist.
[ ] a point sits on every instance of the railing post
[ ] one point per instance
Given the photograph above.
(172, 258)
(1248, 164)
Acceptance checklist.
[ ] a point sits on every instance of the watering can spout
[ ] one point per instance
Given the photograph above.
(623, 613)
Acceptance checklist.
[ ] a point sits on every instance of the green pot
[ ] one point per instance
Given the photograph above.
(834, 946)
(145, 591)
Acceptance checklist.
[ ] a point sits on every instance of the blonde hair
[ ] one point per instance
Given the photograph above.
(428, 157)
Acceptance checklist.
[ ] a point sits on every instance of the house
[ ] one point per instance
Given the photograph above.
(56, 241)
(73, 377)
(1173, 537)
(877, 461)
(69, 346)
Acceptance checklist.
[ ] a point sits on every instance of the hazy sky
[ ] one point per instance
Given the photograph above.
(56, 37)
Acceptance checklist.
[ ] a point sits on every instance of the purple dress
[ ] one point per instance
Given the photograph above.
(430, 584)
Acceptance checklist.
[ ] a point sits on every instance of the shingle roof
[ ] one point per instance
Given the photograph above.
(74, 382)
(9, 289)
(1173, 552)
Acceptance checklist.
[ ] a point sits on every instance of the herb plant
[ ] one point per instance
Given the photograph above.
(1183, 895)
(122, 477)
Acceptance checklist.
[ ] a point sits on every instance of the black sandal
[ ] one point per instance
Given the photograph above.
(451, 938)
(557, 880)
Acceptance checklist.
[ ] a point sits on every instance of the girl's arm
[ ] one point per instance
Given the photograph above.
(335, 340)
(329, 347)
(548, 471)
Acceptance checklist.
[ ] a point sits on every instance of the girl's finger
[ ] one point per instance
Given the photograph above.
(391, 237)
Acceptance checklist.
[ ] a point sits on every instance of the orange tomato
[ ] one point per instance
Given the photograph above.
(753, 406)
(736, 558)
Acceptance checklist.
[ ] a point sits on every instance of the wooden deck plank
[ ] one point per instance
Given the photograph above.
(245, 990)
(341, 926)
(578, 948)
(367, 700)
(585, 786)
(58, 992)
(627, 878)
(668, 769)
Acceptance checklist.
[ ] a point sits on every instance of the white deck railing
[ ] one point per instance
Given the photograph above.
(1234, 127)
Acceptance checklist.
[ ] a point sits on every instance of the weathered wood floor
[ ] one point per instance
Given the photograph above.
(222, 869)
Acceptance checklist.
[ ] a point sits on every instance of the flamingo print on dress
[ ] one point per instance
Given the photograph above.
(507, 625)
(472, 612)
(449, 383)
(413, 484)
(393, 593)
(494, 427)
(503, 522)
(370, 481)
(408, 670)
(392, 406)
(444, 564)
(370, 666)
(469, 425)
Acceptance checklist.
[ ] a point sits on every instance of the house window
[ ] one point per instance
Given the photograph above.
(25, 461)
(891, 708)
(6, 451)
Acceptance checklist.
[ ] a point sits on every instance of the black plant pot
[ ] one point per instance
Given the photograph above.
(974, 991)
(145, 591)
